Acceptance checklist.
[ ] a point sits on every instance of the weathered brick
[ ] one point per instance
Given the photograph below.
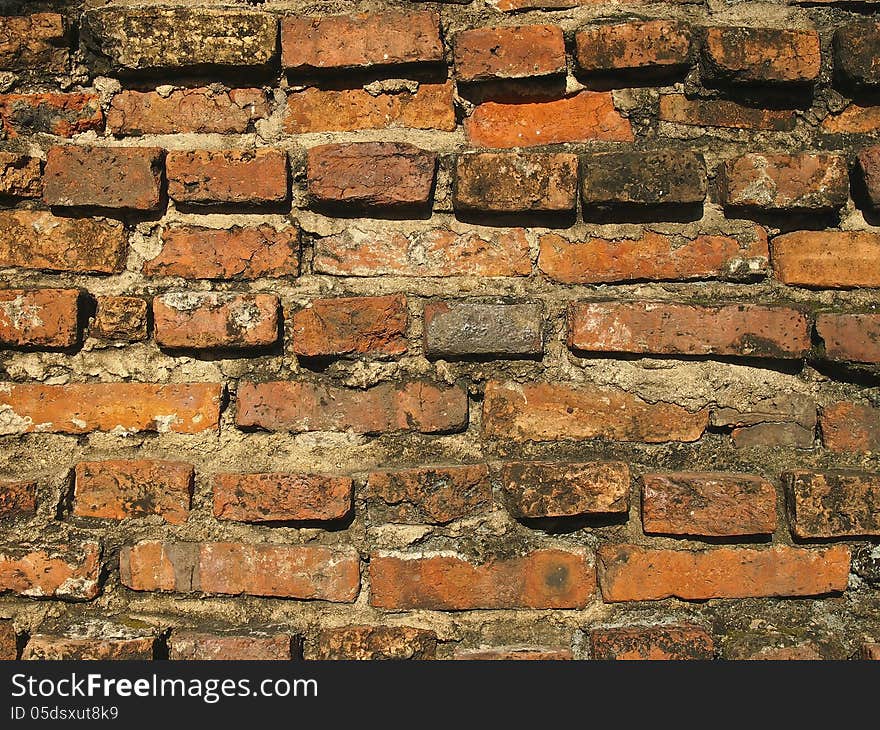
(772, 434)
(511, 52)
(126, 407)
(201, 111)
(151, 38)
(653, 45)
(509, 182)
(653, 256)
(372, 643)
(61, 114)
(351, 326)
(237, 252)
(804, 651)
(850, 426)
(780, 420)
(69, 571)
(551, 411)
(227, 568)
(17, 498)
(870, 651)
(540, 579)
(869, 167)
(761, 55)
(120, 318)
(197, 646)
(659, 177)
(122, 489)
(827, 259)
(721, 113)
(106, 177)
(430, 494)
(536, 489)
(215, 319)
(853, 119)
(804, 181)
(281, 497)
(434, 252)
(585, 116)
(429, 106)
(387, 407)
(668, 642)
(32, 239)
(241, 177)
(33, 41)
(708, 504)
(45, 647)
(389, 38)
(833, 504)
(20, 176)
(633, 573)
(460, 329)
(854, 337)
(514, 5)
(748, 330)
(8, 642)
(855, 53)
(371, 175)
(514, 653)
(39, 317)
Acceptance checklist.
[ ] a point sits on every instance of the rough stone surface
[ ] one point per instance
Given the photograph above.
(461, 329)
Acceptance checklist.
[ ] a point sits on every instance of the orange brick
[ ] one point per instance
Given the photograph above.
(761, 55)
(37, 41)
(212, 177)
(8, 642)
(197, 646)
(69, 571)
(372, 643)
(44, 318)
(63, 115)
(20, 176)
(850, 427)
(827, 259)
(833, 504)
(510, 52)
(854, 119)
(43, 647)
(17, 498)
(654, 45)
(652, 643)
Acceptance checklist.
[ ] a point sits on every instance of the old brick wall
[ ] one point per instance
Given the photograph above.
(468, 329)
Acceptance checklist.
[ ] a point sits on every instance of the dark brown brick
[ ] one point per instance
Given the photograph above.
(37, 41)
(17, 498)
(668, 642)
(456, 329)
(120, 318)
(833, 504)
(653, 45)
(855, 53)
(372, 643)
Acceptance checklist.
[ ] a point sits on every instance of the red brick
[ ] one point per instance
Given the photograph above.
(708, 504)
(35, 41)
(854, 337)
(195, 646)
(583, 117)
(434, 252)
(128, 178)
(20, 176)
(126, 407)
(429, 494)
(8, 642)
(371, 175)
(215, 319)
(870, 651)
(633, 179)
(17, 498)
(388, 38)
(351, 326)
(721, 113)
(653, 45)
(551, 411)
(653, 256)
(61, 114)
(633, 573)
(833, 504)
(429, 106)
(186, 111)
(869, 166)
(39, 317)
(43, 647)
(120, 318)
(68, 571)
(510, 182)
(38, 240)
(372, 643)
(804, 181)
(281, 497)
(853, 119)
(242, 177)
(540, 579)
(514, 653)
(387, 407)
(761, 55)
(236, 252)
(511, 52)
(850, 427)
(827, 259)
(123, 489)
(227, 568)
(747, 330)
(669, 642)
(564, 489)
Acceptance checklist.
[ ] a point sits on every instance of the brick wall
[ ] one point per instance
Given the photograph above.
(532, 329)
